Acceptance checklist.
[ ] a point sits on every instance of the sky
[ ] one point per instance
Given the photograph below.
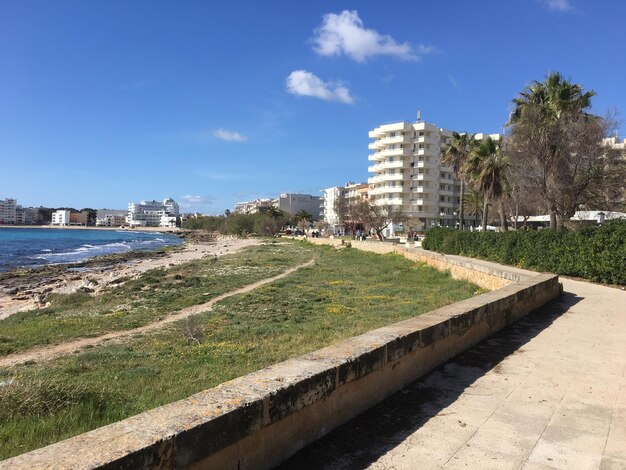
(214, 102)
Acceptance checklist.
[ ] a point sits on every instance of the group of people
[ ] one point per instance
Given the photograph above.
(361, 235)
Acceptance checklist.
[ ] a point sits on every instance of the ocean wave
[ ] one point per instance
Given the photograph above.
(56, 249)
(87, 251)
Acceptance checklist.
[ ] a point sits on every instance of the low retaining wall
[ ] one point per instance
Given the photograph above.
(260, 419)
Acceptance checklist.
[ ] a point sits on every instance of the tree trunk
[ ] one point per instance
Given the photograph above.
(461, 223)
(552, 219)
(503, 224)
(485, 209)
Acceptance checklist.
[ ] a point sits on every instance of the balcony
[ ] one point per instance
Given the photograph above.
(385, 190)
(384, 178)
(424, 190)
(396, 201)
(403, 151)
(387, 166)
(427, 139)
(425, 164)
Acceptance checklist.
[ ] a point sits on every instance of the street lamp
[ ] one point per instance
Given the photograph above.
(442, 214)
(456, 221)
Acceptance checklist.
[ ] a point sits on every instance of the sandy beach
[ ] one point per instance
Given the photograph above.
(30, 291)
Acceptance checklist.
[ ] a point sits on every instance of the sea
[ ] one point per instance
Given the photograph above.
(36, 247)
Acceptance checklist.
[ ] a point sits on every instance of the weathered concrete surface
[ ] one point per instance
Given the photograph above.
(548, 392)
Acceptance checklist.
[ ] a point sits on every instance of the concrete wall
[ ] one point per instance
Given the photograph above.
(258, 420)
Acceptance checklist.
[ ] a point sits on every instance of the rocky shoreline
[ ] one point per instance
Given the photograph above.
(27, 289)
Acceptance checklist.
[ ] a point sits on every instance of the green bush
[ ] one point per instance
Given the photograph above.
(596, 253)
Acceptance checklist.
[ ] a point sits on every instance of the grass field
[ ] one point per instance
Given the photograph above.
(344, 293)
(149, 298)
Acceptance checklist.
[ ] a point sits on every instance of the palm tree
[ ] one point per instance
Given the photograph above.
(546, 104)
(275, 213)
(302, 215)
(456, 154)
(473, 201)
(488, 168)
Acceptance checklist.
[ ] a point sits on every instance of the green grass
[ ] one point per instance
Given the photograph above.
(345, 293)
(152, 296)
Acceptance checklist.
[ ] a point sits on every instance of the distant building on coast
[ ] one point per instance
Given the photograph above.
(253, 207)
(110, 218)
(60, 217)
(330, 198)
(153, 213)
(290, 203)
(8, 209)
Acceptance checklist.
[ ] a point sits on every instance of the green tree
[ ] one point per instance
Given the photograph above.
(540, 120)
(275, 213)
(473, 201)
(456, 155)
(302, 216)
(488, 167)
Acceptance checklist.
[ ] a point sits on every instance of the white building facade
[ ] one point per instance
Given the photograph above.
(407, 173)
(110, 218)
(152, 213)
(292, 203)
(8, 207)
(330, 196)
(60, 217)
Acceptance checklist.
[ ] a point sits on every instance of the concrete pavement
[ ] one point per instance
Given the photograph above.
(546, 393)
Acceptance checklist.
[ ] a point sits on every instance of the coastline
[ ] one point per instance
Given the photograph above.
(93, 227)
(29, 289)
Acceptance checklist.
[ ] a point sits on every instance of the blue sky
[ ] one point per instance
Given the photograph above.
(103, 103)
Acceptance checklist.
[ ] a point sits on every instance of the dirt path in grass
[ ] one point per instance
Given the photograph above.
(46, 353)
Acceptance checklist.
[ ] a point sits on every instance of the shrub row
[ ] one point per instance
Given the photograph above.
(596, 253)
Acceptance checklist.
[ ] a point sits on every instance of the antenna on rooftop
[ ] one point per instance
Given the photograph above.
(419, 116)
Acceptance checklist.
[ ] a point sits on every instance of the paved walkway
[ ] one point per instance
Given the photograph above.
(548, 392)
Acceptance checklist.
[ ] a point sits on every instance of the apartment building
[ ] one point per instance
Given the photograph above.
(153, 213)
(292, 203)
(25, 215)
(79, 218)
(61, 217)
(8, 207)
(408, 173)
(329, 199)
(110, 218)
(253, 207)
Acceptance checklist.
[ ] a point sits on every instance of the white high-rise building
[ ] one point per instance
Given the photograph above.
(153, 213)
(408, 173)
(7, 211)
(330, 196)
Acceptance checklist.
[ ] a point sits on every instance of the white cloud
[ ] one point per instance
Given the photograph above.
(229, 136)
(303, 83)
(191, 201)
(559, 5)
(195, 199)
(344, 33)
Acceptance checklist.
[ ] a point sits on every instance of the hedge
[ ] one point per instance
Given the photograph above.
(596, 253)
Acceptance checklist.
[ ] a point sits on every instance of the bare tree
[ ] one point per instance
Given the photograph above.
(587, 173)
(379, 217)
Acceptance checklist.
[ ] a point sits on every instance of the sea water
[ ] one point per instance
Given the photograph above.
(33, 247)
